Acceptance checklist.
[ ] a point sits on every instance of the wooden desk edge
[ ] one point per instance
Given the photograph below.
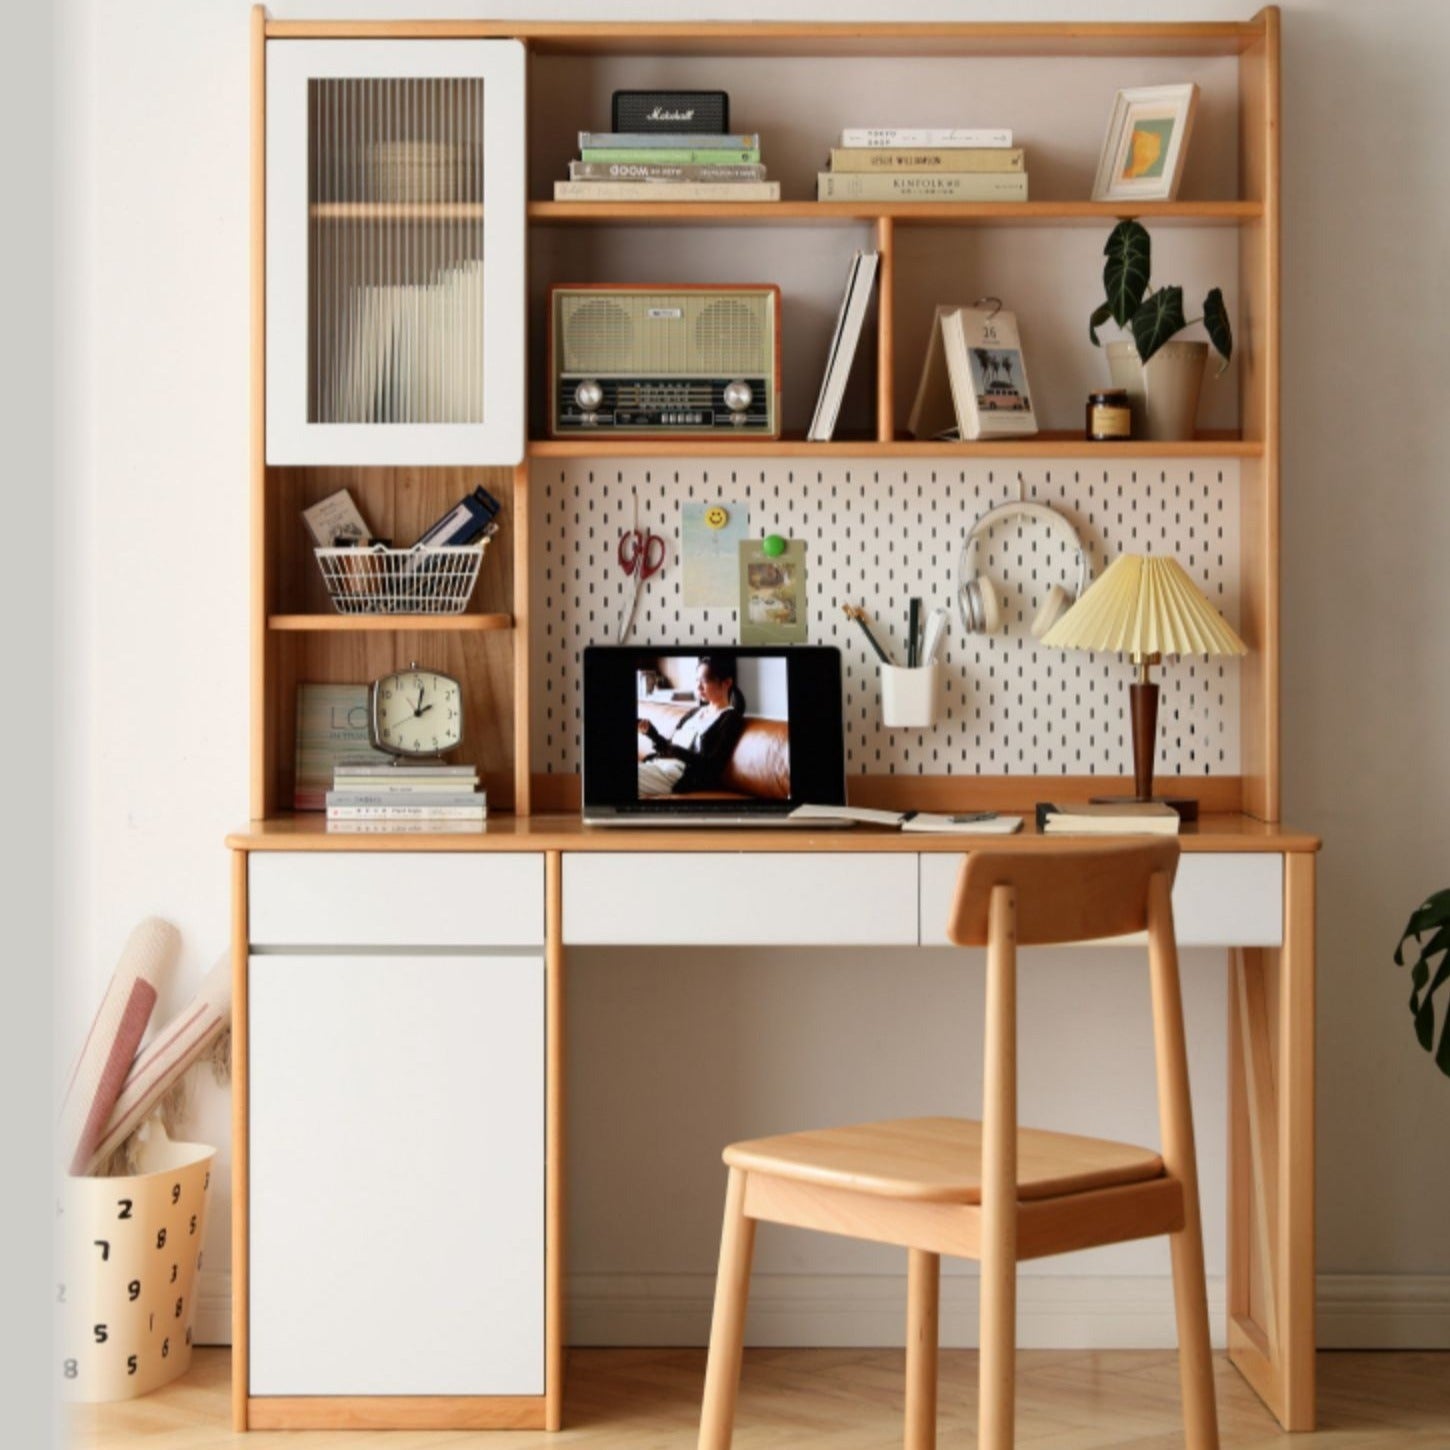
(1213, 833)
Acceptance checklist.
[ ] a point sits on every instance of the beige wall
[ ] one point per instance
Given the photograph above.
(151, 494)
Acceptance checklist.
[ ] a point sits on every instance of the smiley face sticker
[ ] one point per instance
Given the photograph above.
(716, 517)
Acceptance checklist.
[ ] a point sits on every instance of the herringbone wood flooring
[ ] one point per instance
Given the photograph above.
(849, 1399)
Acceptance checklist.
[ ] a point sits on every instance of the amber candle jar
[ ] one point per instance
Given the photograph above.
(1109, 419)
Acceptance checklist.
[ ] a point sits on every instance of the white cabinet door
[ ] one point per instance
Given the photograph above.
(395, 251)
(1220, 899)
(397, 1174)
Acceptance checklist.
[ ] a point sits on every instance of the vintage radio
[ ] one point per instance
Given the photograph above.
(675, 361)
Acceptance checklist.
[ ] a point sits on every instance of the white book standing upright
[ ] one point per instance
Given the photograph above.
(849, 320)
(974, 381)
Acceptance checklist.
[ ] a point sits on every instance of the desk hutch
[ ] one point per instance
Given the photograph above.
(407, 989)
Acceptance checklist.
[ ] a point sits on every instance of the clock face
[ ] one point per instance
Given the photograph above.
(417, 712)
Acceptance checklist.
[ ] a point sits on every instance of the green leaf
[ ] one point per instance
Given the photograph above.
(1125, 273)
(1096, 321)
(1442, 1054)
(1425, 1026)
(1160, 316)
(1215, 319)
(1428, 932)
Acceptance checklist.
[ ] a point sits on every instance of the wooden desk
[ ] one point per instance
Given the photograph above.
(554, 882)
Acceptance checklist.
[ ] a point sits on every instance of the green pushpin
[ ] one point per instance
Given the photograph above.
(772, 546)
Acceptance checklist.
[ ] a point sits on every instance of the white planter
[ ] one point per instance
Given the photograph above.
(1163, 395)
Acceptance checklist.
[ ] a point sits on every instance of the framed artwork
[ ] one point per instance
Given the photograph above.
(1147, 142)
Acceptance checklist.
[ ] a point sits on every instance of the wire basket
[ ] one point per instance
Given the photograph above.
(401, 581)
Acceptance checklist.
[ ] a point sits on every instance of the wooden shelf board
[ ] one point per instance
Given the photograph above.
(456, 623)
(805, 38)
(1045, 445)
(922, 213)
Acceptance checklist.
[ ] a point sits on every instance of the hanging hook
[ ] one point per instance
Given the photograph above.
(996, 305)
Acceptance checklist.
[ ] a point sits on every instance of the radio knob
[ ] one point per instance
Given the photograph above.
(589, 395)
(738, 395)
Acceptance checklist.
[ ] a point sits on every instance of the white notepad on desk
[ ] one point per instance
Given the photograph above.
(925, 822)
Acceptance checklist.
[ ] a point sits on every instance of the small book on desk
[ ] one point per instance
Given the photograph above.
(1122, 818)
(967, 823)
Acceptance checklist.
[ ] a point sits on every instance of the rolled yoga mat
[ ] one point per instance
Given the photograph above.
(110, 1047)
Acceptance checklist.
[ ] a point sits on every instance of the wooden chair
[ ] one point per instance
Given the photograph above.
(993, 1191)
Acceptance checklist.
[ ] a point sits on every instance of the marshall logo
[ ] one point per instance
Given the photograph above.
(661, 114)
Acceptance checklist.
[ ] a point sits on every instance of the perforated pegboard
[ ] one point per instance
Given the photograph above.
(875, 535)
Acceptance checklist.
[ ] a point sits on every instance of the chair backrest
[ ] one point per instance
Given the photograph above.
(1072, 891)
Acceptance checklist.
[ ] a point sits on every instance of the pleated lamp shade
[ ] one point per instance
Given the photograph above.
(1144, 605)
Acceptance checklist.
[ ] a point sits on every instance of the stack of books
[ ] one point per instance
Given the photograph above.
(421, 790)
(921, 164)
(667, 166)
(1118, 818)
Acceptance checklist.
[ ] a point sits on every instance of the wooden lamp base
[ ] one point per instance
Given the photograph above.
(1144, 699)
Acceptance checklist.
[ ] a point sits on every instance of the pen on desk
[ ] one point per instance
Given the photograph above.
(913, 633)
(859, 615)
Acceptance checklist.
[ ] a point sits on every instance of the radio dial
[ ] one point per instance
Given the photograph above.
(589, 395)
(738, 395)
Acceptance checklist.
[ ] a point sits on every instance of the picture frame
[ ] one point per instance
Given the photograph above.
(1146, 143)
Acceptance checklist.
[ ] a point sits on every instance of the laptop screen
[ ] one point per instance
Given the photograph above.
(702, 728)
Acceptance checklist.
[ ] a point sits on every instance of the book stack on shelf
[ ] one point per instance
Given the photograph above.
(906, 164)
(429, 792)
(667, 166)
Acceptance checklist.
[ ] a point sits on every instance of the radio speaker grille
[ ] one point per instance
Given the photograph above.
(659, 333)
(597, 334)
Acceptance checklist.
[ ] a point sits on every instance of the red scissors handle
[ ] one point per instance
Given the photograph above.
(641, 552)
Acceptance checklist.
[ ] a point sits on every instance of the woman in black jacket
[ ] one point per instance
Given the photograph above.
(694, 755)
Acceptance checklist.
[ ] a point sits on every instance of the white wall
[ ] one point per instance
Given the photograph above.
(151, 493)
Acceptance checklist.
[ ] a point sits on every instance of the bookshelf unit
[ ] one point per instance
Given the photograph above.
(795, 83)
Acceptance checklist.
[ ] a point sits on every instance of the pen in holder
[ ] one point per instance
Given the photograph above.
(910, 697)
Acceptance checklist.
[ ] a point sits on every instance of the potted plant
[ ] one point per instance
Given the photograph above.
(1428, 936)
(1162, 376)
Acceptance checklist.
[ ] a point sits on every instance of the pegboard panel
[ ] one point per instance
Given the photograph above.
(876, 535)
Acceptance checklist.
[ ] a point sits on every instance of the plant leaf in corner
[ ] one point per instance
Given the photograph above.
(1215, 319)
(1157, 320)
(1099, 317)
(1125, 273)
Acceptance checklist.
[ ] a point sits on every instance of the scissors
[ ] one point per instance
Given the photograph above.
(641, 557)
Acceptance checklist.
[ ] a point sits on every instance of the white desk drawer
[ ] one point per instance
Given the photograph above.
(719, 898)
(405, 899)
(1228, 899)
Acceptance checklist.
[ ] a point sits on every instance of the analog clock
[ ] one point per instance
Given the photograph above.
(415, 712)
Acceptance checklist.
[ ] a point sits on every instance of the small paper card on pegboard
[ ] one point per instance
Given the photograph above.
(130, 1251)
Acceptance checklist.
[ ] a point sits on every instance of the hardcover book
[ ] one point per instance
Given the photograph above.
(924, 136)
(942, 158)
(675, 155)
(914, 186)
(661, 171)
(667, 191)
(332, 726)
(603, 140)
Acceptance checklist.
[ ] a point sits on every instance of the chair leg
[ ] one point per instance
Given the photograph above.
(997, 1356)
(727, 1328)
(923, 1283)
(1195, 1354)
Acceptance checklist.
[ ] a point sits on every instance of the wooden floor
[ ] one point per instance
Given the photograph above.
(850, 1399)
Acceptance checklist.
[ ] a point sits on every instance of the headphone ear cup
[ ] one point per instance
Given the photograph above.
(991, 605)
(1053, 608)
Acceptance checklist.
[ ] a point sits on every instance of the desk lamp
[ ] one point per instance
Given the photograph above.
(1145, 606)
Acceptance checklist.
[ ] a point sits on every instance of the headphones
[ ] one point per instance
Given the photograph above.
(979, 606)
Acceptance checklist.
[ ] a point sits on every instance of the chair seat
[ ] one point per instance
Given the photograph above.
(938, 1160)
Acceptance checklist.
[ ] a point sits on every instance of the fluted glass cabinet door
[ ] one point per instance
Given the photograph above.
(395, 251)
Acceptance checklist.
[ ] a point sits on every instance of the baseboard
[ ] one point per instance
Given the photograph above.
(1384, 1311)
(1356, 1311)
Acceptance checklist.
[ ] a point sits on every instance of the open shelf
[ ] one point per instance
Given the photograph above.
(925, 213)
(323, 623)
(1045, 445)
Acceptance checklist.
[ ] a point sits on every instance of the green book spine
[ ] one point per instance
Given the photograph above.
(676, 156)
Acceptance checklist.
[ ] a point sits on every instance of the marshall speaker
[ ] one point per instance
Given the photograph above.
(698, 113)
(665, 361)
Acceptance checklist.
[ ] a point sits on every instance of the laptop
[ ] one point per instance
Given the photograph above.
(694, 735)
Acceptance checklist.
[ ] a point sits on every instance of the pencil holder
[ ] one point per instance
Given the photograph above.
(910, 698)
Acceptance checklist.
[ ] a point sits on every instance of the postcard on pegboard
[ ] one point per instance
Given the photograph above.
(773, 601)
(710, 539)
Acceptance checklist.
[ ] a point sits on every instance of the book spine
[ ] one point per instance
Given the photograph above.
(358, 799)
(404, 774)
(674, 155)
(406, 813)
(666, 140)
(924, 136)
(660, 171)
(911, 186)
(941, 158)
(676, 191)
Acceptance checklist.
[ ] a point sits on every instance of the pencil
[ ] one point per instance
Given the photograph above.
(859, 615)
(913, 633)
